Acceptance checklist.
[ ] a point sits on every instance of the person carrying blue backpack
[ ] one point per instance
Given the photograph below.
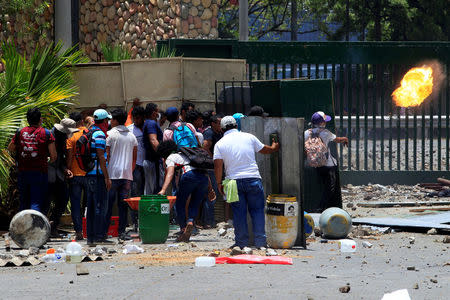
(183, 134)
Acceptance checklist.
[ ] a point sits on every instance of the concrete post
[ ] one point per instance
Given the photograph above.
(63, 23)
(243, 20)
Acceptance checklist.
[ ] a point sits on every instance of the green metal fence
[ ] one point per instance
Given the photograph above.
(382, 137)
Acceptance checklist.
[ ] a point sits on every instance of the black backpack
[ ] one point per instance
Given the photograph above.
(199, 158)
(83, 151)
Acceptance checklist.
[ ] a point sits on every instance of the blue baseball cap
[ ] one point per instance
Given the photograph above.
(101, 114)
(172, 111)
(319, 117)
(237, 117)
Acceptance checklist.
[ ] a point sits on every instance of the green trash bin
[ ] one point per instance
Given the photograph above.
(154, 213)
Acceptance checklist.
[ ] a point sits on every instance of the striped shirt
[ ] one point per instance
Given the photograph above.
(98, 141)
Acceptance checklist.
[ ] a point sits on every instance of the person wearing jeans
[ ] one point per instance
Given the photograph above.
(121, 148)
(236, 151)
(76, 176)
(120, 188)
(32, 146)
(250, 191)
(76, 186)
(193, 182)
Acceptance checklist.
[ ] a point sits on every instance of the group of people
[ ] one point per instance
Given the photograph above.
(131, 155)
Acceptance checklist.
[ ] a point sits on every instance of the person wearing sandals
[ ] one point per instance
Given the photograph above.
(193, 182)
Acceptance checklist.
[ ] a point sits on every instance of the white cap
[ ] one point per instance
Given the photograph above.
(227, 120)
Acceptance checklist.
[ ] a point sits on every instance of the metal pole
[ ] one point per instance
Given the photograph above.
(243, 20)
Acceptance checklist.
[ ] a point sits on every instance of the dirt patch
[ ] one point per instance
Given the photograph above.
(170, 258)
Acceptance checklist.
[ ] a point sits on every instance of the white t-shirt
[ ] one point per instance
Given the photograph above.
(122, 143)
(140, 139)
(176, 160)
(326, 137)
(237, 149)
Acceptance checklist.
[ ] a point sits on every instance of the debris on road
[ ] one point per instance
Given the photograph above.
(255, 259)
(432, 231)
(367, 244)
(132, 249)
(344, 289)
(446, 239)
(82, 269)
(397, 295)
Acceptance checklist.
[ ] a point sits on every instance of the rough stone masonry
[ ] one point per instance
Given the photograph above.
(138, 24)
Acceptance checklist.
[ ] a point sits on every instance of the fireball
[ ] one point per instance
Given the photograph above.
(415, 87)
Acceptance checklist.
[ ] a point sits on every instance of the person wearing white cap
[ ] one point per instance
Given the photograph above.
(236, 151)
(327, 166)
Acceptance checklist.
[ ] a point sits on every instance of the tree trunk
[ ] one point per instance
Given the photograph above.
(377, 13)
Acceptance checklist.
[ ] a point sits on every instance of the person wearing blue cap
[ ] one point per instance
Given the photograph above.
(318, 156)
(98, 182)
(237, 117)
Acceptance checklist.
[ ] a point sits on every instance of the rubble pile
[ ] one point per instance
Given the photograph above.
(381, 193)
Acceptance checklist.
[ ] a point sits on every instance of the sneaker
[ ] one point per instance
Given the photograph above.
(91, 243)
(79, 236)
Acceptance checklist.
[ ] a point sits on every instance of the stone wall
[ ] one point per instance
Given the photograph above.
(138, 24)
(28, 29)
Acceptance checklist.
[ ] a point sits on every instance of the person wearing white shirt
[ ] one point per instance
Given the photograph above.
(236, 151)
(121, 149)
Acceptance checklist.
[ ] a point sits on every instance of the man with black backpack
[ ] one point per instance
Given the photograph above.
(33, 145)
(193, 182)
(318, 156)
(97, 179)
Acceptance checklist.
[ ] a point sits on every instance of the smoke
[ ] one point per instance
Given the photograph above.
(438, 76)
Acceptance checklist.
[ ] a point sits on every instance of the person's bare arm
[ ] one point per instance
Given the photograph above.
(12, 147)
(108, 153)
(69, 160)
(52, 151)
(153, 140)
(341, 140)
(270, 149)
(218, 171)
(102, 162)
(134, 157)
(207, 146)
(167, 180)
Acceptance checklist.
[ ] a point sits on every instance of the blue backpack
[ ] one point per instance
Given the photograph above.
(183, 136)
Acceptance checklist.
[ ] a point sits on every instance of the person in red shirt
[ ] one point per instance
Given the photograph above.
(33, 145)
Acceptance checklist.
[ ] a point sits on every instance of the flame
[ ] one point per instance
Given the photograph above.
(415, 87)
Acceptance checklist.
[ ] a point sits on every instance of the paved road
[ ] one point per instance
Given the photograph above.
(370, 273)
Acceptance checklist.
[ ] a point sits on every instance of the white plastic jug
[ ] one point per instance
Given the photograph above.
(205, 261)
(74, 253)
(347, 245)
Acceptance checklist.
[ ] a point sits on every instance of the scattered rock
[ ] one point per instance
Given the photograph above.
(71, 282)
(317, 232)
(82, 270)
(416, 286)
(411, 268)
(271, 252)
(222, 231)
(350, 205)
(446, 239)
(366, 244)
(141, 267)
(344, 289)
(432, 231)
(412, 240)
(23, 253)
(433, 280)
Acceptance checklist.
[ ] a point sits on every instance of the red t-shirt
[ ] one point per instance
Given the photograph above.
(32, 148)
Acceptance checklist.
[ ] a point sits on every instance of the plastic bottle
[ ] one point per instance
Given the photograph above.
(347, 245)
(205, 261)
(54, 258)
(74, 253)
